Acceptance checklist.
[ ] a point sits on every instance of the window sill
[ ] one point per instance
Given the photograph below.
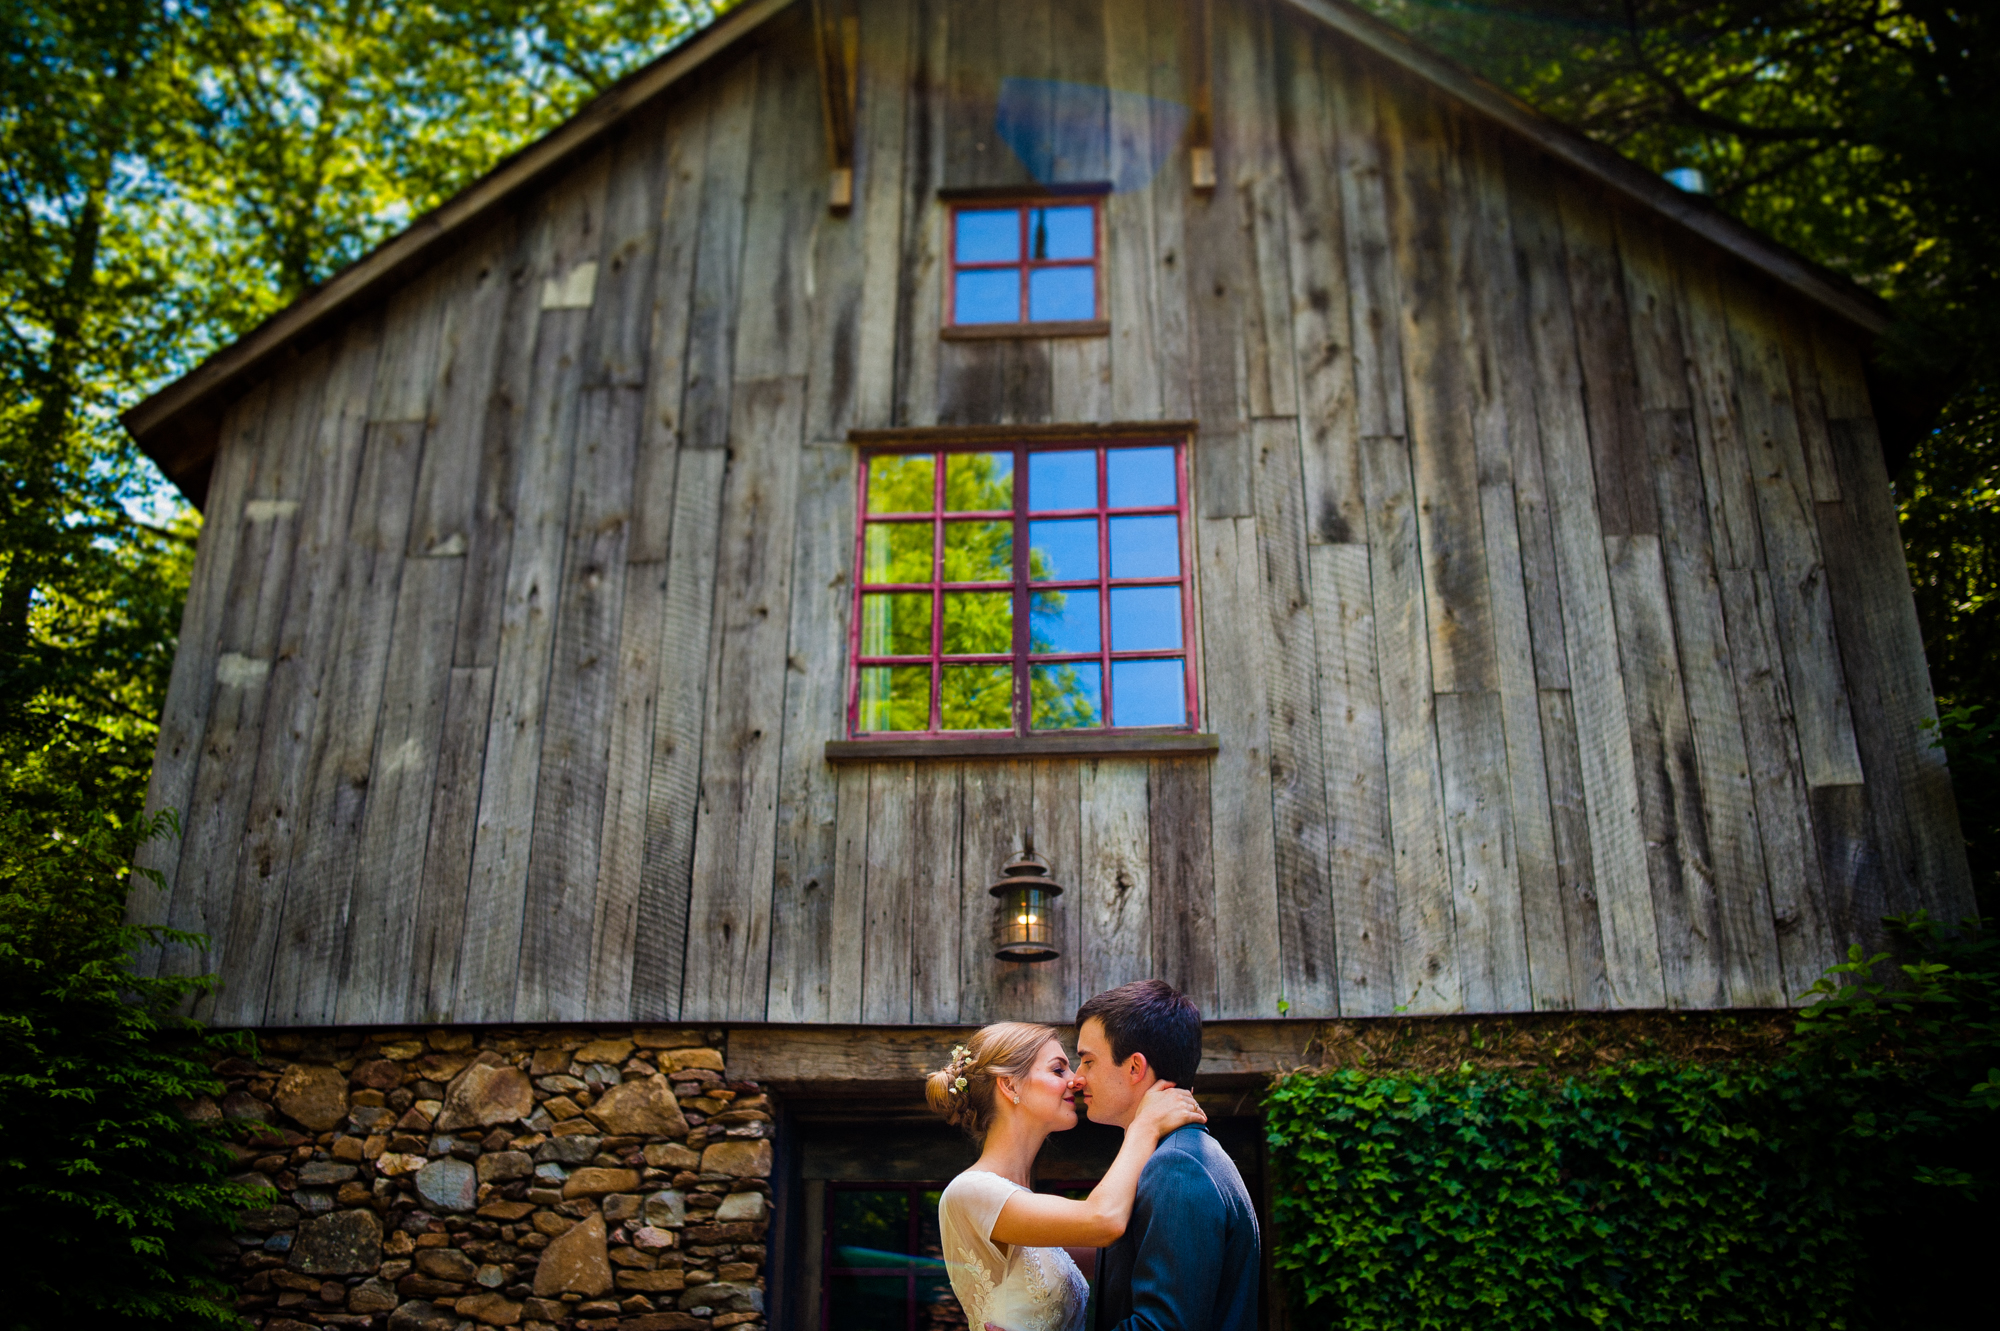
(1172, 744)
(1052, 328)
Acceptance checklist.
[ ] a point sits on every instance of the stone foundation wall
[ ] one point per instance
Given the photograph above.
(454, 1179)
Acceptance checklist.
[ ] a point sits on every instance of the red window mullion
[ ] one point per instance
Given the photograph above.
(1024, 600)
(937, 591)
(1104, 576)
(1026, 254)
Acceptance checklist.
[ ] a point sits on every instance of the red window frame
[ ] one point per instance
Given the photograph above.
(1021, 657)
(1026, 264)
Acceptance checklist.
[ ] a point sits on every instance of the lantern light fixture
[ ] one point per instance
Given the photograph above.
(1024, 929)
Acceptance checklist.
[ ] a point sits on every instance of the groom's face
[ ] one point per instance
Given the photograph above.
(1109, 1092)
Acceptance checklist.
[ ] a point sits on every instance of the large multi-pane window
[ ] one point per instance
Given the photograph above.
(1036, 587)
(884, 1263)
(1027, 263)
(883, 1268)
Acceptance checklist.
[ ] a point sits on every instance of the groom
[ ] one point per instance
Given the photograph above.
(1188, 1261)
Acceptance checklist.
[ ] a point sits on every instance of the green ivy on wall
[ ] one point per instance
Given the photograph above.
(1657, 1192)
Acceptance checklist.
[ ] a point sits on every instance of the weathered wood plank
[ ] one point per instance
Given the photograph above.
(1881, 645)
(1806, 945)
(1430, 252)
(849, 919)
(676, 244)
(1319, 296)
(986, 47)
(1080, 379)
(265, 535)
(275, 827)
(858, 381)
(380, 935)
(1725, 462)
(1625, 503)
(1427, 967)
(1303, 833)
(1479, 846)
(1114, 884)
(1246, 102)
(1748, 941)
(997, 806)
(787, 201)
(246, 553)
(1182, 877)
(920, 272)
(1850, 853)
(934, 895)
(1052, 993)
(413, 328)
(892, 867)
(719, 247)
(1578, 925)
(1598, 705)
(1249, 972)
(1224, 304)
(1170, 193)
(729, 906)
(1130, 254)
(469, 348)
(1361, 856)
(1815, 440)
(438, 910)
(1791, 546)
(1004, 382)
(617, 346)
(319, 894)
(621, 852)
(191, 685)
(553, 976)
(815, 711)
(1520, 556)
(673, 783)
(1353, 95)
(1678, 859)
(544, 451)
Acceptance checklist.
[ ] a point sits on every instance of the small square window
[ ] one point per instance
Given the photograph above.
(1015, 265)
(1023, 588)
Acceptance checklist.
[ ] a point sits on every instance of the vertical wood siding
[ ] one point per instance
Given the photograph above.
(1550, 607)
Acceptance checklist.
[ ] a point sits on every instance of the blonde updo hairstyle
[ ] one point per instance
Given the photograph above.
(961, 1093)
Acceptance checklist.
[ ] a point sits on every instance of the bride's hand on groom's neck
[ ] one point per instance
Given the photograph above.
(1166, 1108)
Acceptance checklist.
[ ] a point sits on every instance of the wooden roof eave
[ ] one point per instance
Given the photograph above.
(1861, 308)
(179, 425)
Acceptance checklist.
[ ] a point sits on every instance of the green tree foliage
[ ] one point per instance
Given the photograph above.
(1659, 1192)
(170, 175)
(1863, 134)
(107, 1191)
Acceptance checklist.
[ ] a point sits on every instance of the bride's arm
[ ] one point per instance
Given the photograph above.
(1042, 1221)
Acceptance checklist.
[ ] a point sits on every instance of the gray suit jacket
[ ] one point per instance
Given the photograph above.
(1189, 1259)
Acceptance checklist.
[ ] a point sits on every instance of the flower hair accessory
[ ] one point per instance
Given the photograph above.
(961, 1058)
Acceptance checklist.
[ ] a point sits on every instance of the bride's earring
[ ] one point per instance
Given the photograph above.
(1017, 1099)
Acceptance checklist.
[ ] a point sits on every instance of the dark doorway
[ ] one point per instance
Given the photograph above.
(859, 1211)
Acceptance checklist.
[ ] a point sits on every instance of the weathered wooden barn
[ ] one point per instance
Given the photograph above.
(1473, 584)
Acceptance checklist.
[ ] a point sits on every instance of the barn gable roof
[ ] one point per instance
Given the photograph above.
(179, 425)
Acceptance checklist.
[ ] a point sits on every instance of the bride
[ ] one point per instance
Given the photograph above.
(1009, 1087)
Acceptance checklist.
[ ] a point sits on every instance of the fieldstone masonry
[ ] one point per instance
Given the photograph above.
(540, 1179)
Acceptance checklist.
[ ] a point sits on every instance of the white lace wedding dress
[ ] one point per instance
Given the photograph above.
(1010, 1286)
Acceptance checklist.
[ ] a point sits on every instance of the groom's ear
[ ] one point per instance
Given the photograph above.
(1137, 1068)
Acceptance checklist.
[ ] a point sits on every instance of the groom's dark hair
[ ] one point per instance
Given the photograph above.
(1153, 1018)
